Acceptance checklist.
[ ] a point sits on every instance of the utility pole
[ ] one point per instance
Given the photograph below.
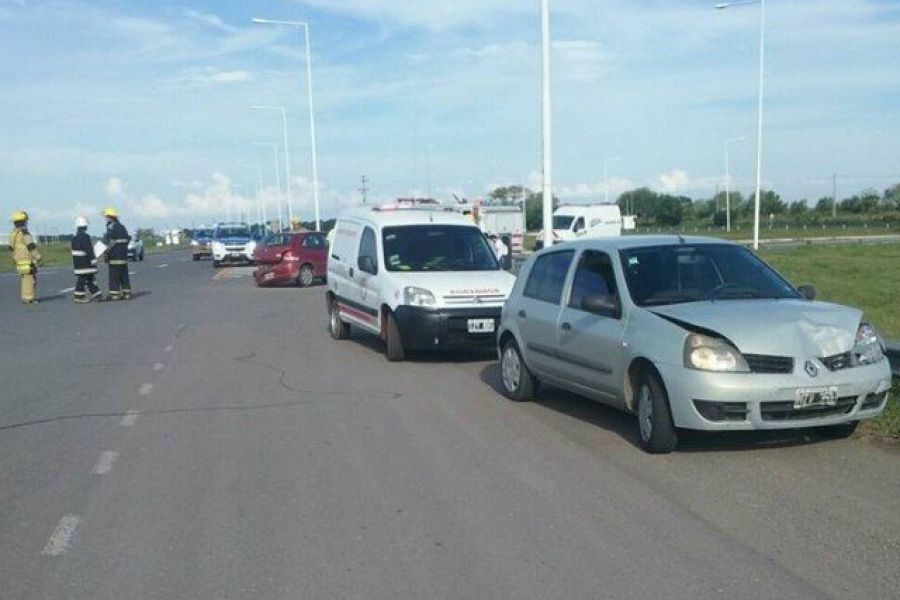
(364, 188)
(546, 127)
(834, 194)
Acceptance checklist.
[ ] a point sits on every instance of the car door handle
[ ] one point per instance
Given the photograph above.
(523, 314)
(566, 326)
(351, 272)
(335, 257)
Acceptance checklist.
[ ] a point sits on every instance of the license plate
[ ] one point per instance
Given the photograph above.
(481, 325)
(806, 398)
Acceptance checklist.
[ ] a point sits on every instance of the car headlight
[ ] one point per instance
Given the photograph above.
(706, 353)
(869, 348)
(250, 247)
(195, 243)
(218, 247)
(418, 296)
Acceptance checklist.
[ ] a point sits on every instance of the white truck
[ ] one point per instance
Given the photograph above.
(573, 221)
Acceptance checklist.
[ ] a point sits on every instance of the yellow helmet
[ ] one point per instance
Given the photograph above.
(110, 212)
(19, 215)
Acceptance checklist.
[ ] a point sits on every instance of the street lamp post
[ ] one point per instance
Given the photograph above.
(728, 142)
(759, 110)
(274, 147)
(546, 128)
(312, 117)
(287, 158)
(606, 162)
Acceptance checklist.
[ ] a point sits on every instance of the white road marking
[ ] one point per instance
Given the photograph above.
(105, 462)
(162, 266)
(145, 389)
(129, 418)
(67, 290)
(132, 272)
(58, 544)
(168, 348)
(158, 366)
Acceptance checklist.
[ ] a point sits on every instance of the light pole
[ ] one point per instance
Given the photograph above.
(287, 158)
(759, 110)
(728, 142)
(606, 162)
(546, 129)
(312, 117)
(274, 147)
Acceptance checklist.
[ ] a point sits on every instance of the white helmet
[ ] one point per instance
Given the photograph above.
(81, 222)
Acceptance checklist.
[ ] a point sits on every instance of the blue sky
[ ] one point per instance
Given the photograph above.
(146, 106)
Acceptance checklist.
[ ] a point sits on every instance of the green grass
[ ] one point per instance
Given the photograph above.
(888, 424)
(56, 255)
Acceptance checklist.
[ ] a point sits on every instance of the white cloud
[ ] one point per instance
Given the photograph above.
(212, 75)
(673, 181)
(580, 60)
(114, 187)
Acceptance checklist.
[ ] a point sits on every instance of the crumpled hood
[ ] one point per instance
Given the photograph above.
(776, 327)
(463, 283)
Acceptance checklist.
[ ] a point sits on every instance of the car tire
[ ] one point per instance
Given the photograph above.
(216, 264)
(393, 348)
(306, 277)
(518, 382)
(656, 431)
(142, 256)
(338, 329)
(838, 432)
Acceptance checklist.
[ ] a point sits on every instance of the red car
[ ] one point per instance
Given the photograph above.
(291, 258)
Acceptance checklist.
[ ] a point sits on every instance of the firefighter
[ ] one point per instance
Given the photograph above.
(25, 255)
(116, 239)
(84, 264)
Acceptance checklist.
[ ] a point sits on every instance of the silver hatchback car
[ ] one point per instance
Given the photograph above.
(690, 333)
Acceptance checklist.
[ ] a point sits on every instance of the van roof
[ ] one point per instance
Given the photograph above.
(382, 217)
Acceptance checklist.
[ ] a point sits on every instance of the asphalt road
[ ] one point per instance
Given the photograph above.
(208, 440)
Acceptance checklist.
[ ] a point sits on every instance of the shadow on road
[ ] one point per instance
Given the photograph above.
(623, 424)
(373, 343)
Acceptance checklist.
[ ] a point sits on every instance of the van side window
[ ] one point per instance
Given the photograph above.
(593, 277)
(368, 248)
(548, 275)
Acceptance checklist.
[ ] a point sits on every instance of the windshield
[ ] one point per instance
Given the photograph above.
(562, 221)
(437, 248)
(232, 232)
(690, 273)
(203, 234)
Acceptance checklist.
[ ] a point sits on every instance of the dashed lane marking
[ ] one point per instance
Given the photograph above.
(162, 266)
(129, 418)
(158, 366)
(59, 541)
(105, 462)
(145, 389)
(67, 290)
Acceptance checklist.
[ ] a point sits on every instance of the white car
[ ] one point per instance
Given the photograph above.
(232, 243)
(418, 277)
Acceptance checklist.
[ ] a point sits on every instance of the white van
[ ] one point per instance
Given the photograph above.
(418, 277)
(573, 221)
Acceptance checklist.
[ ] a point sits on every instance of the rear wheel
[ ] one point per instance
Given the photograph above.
(518, 382)
(216, 264)
(338, 329)
(394, 344)
(306, 276)
(838, 432)
(142, 256)
(655, 428)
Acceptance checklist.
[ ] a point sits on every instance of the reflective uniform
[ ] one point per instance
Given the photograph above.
(84, 264)
(116, 239)
(26, 257)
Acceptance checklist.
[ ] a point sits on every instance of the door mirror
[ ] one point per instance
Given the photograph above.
(367, 264)
(807, 291)
(601, 304)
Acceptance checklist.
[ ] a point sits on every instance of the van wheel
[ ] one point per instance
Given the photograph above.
(394, 345)
(338, 329)
(518, 382)
(306, 276)
(655, 428)
(215, 264)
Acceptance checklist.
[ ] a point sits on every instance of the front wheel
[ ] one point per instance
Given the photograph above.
(142, 256)
(655, 428)
(394, 344)
(306, 277)
(518, 382)
(336, 327)
(216, 264)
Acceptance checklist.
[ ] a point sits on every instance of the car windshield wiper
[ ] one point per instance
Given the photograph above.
(736, 291)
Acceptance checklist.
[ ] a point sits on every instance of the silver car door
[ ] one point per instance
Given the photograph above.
(538, 312)
(591, 327)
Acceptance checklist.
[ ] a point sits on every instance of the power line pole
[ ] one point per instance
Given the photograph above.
(834, 195)
(364, 188)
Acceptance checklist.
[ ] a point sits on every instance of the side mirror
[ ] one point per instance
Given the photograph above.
(601, 304)
(807, 291)
(367, 265)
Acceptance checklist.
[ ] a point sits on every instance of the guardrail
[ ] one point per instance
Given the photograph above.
(893, 353)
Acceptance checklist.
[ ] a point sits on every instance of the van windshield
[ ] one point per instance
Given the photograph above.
(235, 231)
(562, 221)
(437, 248)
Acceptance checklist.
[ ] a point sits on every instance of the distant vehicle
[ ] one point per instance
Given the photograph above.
(232, 243)
(283, 258)
(420, 277)
(574, 221)
(505, 220)
(135, 249)
(201, 243)
(690, 333)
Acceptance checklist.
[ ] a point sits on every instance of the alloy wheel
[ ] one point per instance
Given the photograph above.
(511, 368)
(645, 412)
